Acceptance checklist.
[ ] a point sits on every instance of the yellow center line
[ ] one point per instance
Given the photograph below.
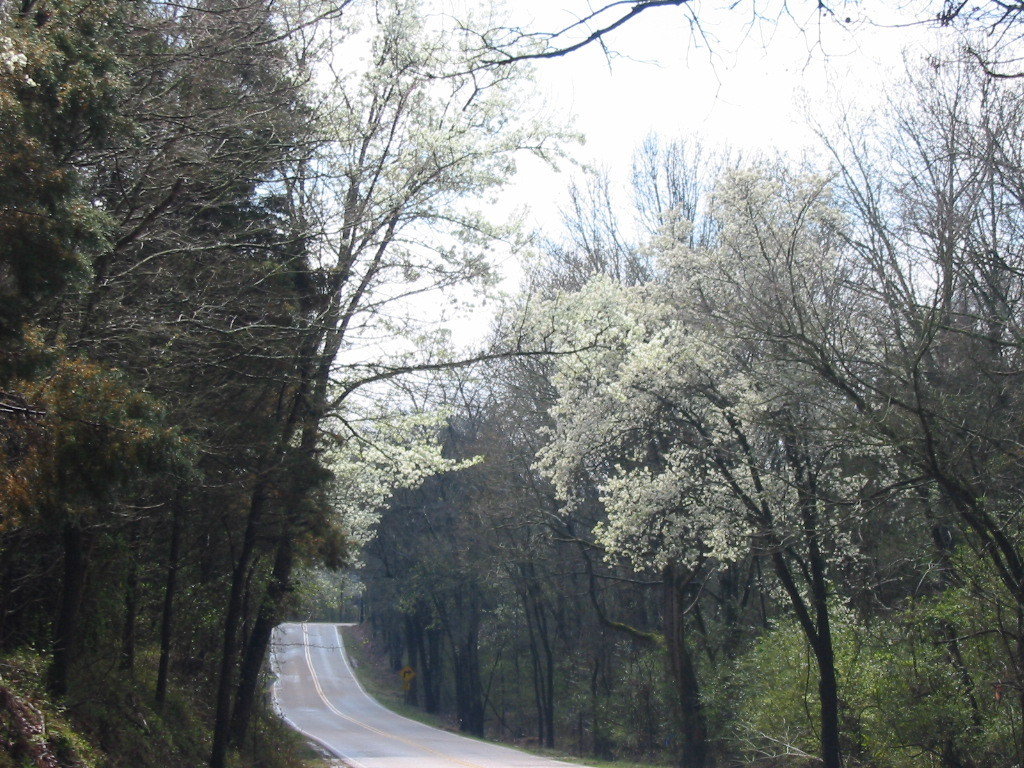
(343, 716)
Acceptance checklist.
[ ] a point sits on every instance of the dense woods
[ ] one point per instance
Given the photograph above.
(208, 211)
(737, 479)
(761, 503)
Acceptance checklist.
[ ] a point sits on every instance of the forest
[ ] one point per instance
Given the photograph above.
(761, 502)
(734, 479)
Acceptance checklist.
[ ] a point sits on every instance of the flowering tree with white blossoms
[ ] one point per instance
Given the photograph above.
(705, 442)
(398, 451)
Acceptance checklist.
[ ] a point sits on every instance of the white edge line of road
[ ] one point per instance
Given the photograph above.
(332, 750)
(359, 685)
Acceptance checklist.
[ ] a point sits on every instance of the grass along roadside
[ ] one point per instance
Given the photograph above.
(375, 675)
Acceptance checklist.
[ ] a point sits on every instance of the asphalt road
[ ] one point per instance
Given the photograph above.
(317, 695)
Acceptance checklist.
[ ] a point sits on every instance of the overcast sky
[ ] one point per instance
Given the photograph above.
(750, 84)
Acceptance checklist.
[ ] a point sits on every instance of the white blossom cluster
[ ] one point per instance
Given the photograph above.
(12, 61)
(677, 406)
(400, 450)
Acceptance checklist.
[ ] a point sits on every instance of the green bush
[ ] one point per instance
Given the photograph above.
(917, 689)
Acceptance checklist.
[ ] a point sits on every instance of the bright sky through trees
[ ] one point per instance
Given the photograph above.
(736, 80)
(755, 84)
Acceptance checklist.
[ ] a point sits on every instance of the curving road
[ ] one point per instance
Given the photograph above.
(317, 695)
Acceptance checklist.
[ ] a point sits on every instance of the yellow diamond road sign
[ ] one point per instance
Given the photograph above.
(407, 673)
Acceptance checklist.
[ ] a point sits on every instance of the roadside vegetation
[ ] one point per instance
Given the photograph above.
(197, 225)
(112, 722)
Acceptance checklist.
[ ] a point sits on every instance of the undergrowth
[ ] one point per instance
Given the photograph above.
(109, 719)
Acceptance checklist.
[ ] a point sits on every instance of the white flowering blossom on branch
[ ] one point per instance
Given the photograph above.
(373, 455)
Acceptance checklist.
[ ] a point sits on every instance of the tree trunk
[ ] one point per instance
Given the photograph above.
(828, 691)
(259, 640)
(426, 672)
(413, 633)
(7, 606)
(131, 593)
(824, 653)
(167, 615)
(549, 680)
(66, 629)
(395, 646)
(602, 745)
(433, 669)
(538, 697)
(693, 724)
(818, 631)
(469, 705)
(307, 422)
(232, 621)
(814, 619)
(541, 655)
(296, 413)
